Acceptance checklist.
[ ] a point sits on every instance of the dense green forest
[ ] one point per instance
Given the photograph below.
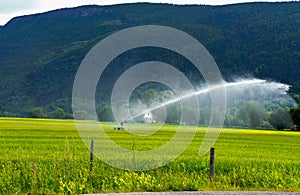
(40, 54)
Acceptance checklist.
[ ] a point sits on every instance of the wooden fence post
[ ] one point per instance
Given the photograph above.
(212, 163)
(91, 155)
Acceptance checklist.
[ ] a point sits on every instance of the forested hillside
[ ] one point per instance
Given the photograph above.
(40, 54)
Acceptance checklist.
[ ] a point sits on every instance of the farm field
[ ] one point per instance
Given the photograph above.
(44, 156)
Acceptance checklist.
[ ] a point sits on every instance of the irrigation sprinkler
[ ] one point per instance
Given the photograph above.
(120, 127)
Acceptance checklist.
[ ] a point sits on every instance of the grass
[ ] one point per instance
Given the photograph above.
(41, 156)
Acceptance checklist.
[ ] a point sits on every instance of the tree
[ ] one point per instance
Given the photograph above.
(36, 113)
(173, 113)
(252, 113)
(59, 113)
(6, 114)
(205, 114)
(280, 119)
(80, 115)
(295, 115)
(106, 114)
(166, 95)
(150, 96)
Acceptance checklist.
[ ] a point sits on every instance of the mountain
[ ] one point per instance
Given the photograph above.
(40, 54)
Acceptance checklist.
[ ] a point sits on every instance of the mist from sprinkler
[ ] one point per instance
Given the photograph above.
(204, 91)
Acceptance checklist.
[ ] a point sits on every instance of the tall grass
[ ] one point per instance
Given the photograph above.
(48, 157)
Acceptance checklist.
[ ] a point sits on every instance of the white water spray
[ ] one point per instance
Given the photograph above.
(252, 82)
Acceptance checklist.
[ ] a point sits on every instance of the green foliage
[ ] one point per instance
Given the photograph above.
(173, 114)
(260, 39)
(281, 119)
(59, 113)
(63, 103)
(149, 97)
(80, 115)
(106, 114)
(205, 114)
(295, 114)
(36, 113)
(252, 112)
(54, 160)
(248, 114)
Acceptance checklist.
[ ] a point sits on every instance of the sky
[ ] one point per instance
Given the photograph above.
(13, 8)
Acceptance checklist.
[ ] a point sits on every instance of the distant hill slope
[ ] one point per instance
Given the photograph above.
(40, 54)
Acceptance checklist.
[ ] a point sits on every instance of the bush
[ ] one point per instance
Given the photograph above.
(106, 114)
(280, 119)
(36, 113)
(59, 113)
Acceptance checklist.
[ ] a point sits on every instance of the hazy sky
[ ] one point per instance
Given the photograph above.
(12, 8)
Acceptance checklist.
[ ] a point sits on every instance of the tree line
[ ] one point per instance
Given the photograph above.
(249, 114)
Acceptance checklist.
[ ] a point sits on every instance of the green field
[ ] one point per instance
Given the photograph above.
(40, 156)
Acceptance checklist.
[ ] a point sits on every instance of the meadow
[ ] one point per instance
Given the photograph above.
(44, 156)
